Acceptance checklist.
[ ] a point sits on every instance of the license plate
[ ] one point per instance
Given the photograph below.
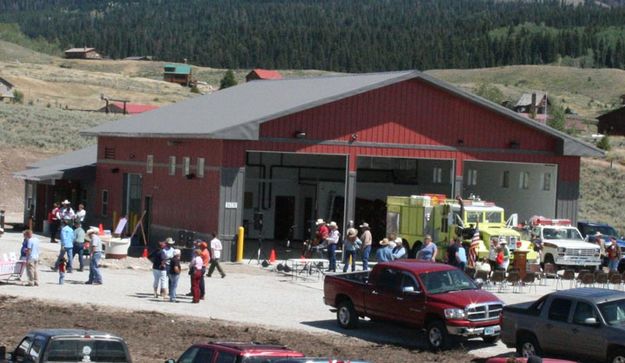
(489, 330)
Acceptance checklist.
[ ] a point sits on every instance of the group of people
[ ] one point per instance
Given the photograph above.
(610, 251)
(63, 213)
(166, 267)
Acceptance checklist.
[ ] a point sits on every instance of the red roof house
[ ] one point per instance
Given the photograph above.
(259, 73)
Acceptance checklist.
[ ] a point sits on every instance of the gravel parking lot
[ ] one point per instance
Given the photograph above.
(248, 295)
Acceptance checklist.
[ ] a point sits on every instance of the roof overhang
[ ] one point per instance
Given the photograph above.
(57, 167)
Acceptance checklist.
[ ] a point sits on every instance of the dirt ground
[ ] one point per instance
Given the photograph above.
(154, 337)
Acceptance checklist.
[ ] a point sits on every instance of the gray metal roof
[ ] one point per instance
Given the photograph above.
(526, 99)
(235, 113)
(54, 168)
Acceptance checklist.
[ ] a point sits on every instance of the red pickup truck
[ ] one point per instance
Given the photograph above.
(440, 298)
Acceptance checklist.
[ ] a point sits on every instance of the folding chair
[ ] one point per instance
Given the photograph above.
(530, 281)
(615, 279)
(569, 275)
(499, 278)
(551, 271)
(514, 279)
(601, 279)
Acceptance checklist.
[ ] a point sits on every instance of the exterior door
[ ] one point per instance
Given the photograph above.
(410, 304)
(382, 299)
(554, 332)
(132, 199)
(583, 336)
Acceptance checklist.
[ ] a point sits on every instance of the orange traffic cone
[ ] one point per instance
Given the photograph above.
(272, 256)
(145, 252)
(101, 230)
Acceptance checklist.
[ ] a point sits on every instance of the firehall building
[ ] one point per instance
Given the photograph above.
(294, 150)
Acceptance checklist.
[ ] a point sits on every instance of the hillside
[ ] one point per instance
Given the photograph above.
(338, 35)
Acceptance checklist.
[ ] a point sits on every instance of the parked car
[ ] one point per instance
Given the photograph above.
(69, 345)
(534, 359)
(437, 297)
(235, 352)
(586, 323)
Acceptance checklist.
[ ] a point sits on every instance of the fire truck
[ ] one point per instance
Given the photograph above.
(411, 218)
(562, 243)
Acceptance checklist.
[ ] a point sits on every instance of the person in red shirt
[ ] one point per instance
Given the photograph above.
(323, 232)
(613, 251)
(206, 257)
(53, 220)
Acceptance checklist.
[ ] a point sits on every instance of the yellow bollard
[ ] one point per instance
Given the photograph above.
(240, 242)
(114, 219)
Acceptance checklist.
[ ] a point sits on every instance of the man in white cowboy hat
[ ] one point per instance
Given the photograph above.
(367, 241)
(350, 246)
(95, 251)
(66, 213)
(384, 252)
(333, 241)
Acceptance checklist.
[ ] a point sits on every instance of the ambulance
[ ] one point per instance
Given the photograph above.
(413, 217)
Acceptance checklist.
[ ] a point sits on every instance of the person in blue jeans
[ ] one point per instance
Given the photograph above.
(174, 275)
(95, 277)
(333, 240)
(367, 242)
(79, 241)
(350, 246)
(67, 244)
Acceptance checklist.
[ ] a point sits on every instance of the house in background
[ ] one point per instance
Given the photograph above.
(82, 53)
(532, 103)
(140, 58)
(6, 89)
(612, 123)
(259, 73)
(178, 73)
(127, 108)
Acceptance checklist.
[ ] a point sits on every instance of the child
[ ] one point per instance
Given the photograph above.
(61, 266)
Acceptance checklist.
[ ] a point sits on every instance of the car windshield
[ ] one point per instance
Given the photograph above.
(613, 312)
(562, 233)
(604, 230)
(80, 350)
(445, 281)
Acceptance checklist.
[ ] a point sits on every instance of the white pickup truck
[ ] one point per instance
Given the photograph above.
(564, 246)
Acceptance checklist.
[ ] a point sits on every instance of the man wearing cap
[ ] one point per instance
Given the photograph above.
(95, 251)
(367, 241)
(79, 241)
(333, 240)
(350, 246)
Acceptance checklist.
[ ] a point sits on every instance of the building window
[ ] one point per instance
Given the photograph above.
(472, 177)
(437, 175)
(505, 179)
(149, 166)
(524, 180)
(547, 181)
(186, 165)
(172, 165)
(200, 168)
(105, 203)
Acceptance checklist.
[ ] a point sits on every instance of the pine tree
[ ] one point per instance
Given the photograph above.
(228, 80)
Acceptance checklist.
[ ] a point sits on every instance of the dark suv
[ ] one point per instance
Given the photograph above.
(228, 352)
(589, 230)
(69, 345)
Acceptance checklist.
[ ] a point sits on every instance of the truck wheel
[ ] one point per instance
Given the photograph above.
(491, 339)
(617, 356)
(527, 346)
(438, 338)
(346, 315)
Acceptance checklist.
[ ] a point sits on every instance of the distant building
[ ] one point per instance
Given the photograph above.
(6, 89)
(612, 123)
(82, 53)
(177, 73)
(140, 58)
(127, 108)
(259, 73)
(532, 102)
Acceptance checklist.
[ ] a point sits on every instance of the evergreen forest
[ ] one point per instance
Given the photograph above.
(336, 35)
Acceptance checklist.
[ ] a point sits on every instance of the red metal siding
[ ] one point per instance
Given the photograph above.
(177, 201)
